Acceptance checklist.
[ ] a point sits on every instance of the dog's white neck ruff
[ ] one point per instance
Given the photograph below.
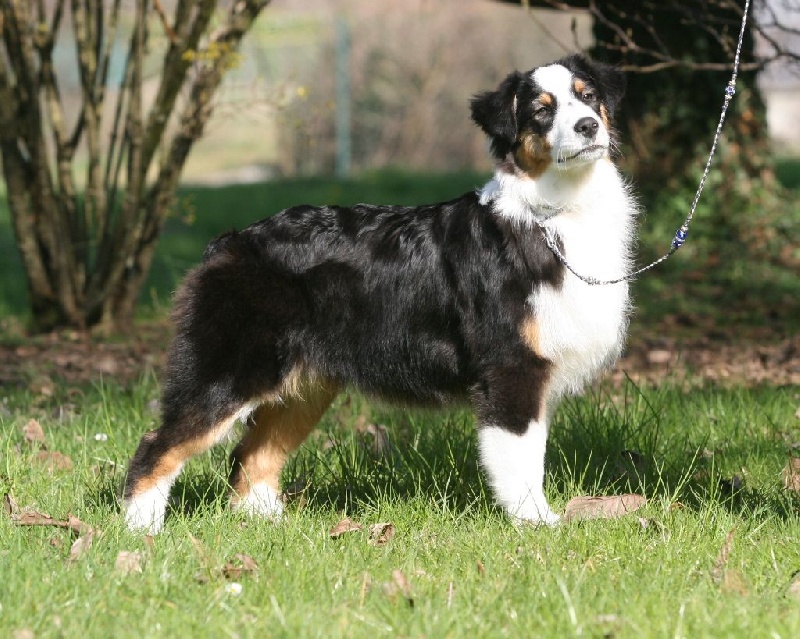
(596, 187)
(591, 210)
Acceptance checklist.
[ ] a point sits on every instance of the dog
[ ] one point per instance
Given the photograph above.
(428, 305)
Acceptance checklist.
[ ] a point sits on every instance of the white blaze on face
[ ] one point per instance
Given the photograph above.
(570, 148)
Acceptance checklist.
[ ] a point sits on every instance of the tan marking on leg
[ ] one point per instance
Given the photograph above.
(533, 154)
(276, 430)
(530, 333)
(173, 460)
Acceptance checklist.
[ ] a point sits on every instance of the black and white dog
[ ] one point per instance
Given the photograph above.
(461, 300)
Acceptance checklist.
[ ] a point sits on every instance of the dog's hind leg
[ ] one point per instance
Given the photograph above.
(275, 430)
(186, 431)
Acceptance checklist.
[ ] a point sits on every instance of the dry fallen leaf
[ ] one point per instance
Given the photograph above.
(107, 364)
(34, 433)
(609, 507)
(128, 561)
(791, 474)
(659, 356)
(81, 546)
(243, 563)
(295, 493)
(381, 534)
(347, 525)
(76, 525)
(733, 582)
(43, 386)
(380, 446)
(794, 586)
(404, 586)
(202, 555)
(720, 565)
(53, 460)
(33, 518)
(9, 505)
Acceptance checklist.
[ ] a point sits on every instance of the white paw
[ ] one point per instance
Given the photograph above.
(145, 511)
(537, 513)
(261, 501)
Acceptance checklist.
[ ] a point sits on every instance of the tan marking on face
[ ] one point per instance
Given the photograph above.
(546, 99)
(579, 86)
(275, 431)
(533, 154)
(604, 115)
(530, 333)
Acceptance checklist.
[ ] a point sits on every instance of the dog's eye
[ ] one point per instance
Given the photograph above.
(541, 111)
(588, 96)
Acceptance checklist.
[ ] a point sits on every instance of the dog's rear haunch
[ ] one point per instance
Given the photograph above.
(457, 301)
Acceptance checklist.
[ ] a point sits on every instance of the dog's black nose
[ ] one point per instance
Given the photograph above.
(587, 127)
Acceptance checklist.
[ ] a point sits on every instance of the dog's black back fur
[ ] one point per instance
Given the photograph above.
(327, 288)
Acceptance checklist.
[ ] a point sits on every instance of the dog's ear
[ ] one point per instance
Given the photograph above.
(612, 83)
(494, 112)
(608, 79)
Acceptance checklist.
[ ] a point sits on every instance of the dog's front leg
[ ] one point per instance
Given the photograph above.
(514, 463)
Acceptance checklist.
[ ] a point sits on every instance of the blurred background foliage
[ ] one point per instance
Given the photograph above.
(387, 84)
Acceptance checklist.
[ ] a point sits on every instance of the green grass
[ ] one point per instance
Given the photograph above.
(472, 572)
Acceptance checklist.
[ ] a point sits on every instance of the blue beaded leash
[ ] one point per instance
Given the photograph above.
(683, 232)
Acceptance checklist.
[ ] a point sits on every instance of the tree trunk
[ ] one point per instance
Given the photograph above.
(87, 257)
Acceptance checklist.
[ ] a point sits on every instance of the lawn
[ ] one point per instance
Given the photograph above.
(714, 552)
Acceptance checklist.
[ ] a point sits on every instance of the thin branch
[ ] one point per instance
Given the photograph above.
(173, 37)
(114, 249)
(718, 19)
(67, 193)
(176, 66)
(103, 216)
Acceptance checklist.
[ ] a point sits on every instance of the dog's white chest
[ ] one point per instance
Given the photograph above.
(582, 327)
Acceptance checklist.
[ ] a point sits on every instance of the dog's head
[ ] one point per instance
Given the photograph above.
(556, 116)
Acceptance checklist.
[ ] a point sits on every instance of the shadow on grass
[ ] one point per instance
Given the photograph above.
(627, 442)
(650, 442)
